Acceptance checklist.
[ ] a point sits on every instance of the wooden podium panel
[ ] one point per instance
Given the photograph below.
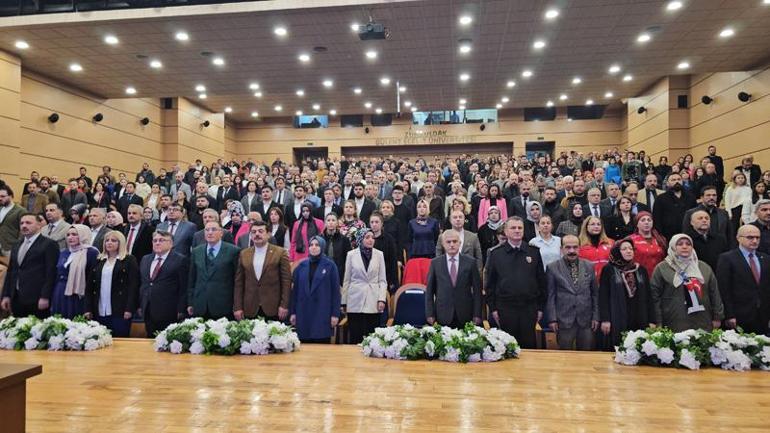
(13, 395)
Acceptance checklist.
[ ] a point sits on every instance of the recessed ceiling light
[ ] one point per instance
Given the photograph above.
(461, 107)
(298, 112)
(332, 112)
(357, 90)
(278, 108)
(683, 65)
(549, 104)
(644, 37)
(463, 101)
(182, 36)
(22, 45)
(609, 95)
(563, 97)
(328, 83)
(504, 99)
(466, 20)
(254, 86)
(465, 48)
(551, 14)
(368, 104)
(407, 104)
(499, 106)
(767, 2)
(75, 67)
(218, 61)
(156, 64)
(200, 88)
(589, 102)
(384, 81)
(674, 6)
(371, 54)
(628, 77)
(526, 73)
(465, 76)
(401, 89)
(304, 58)
(538, 44)
(228, 109)
(300, 92)
(577, 80)
(510, 84)
(130, 90)
(727, 32)
(355, 27)
(111, 40)
(316, 107)
(413, 109)
(202, 96)
(280, 31)
(614, 69)
(378, 110)
(254, 114)
(258, 94)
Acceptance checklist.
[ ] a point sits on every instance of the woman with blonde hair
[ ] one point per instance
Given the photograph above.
(595, 246)
(738, 204)
(112, 290)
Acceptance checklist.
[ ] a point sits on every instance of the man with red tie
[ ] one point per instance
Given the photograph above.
(163, 291)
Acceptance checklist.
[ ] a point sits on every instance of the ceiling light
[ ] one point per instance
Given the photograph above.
(316, 107)
(465, 48)
(304, 58)
(75, 67)
(413, 109)
(200, 88)
(589, 102)
(407, 104)
(202, 96)
(767, 2)
(300, 93)
(510, 84)
(22, 45)
(258, 94)
(378, 110)
(551, 14)
(628, 77)
(683, 65)
(182, 36)
(563, 97)
(328, 83)
(130, 90)
(402, 89)
(504, 99)
(609, 95)
(156, 64)
(228, 109)
(577, 80)
(549, 104)
(461, 107)
(278, 108)
(463, 101)
(538, 44)
(254, 114)
(526, 73)
(298, 112)
(368, 104)
(499, 106)
(371, 54)
(355, 27)
(673, 6)
(218, 61)
(111, 40)
(332, 112)
(466, 20)
(384, 81)
(465, 76)
(644, 37)
(614, 69)
(254, 86)
(280, 31)
(727, 32)
(357, 90)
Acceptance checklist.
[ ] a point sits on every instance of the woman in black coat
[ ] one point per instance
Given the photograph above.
(337, 244)
(624, 295)
(621, 223)
(113, 306)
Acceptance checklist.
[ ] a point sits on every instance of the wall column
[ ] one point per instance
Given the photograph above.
(10, 121)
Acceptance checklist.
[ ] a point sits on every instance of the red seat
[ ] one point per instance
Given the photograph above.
(416, 271)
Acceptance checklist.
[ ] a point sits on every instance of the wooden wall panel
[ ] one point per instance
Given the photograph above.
(10, 140)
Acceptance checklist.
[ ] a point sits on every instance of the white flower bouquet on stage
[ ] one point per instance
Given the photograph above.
(225, 337)
(53, 333)
(692, 349)
(469, 344)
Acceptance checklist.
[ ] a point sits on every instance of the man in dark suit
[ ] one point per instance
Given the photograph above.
(72, 197)
(595, 206)
(719, 219)
(328, 206)
(226, 192)
(200, 236)
(129, 197)
(632, 193)
(212, 276)
(743, 277)
(752, 171)
(453, 291)
(717, 161)
(293, 208)
(138, 234)
(364, 206)
(182, 231)
(707, 244)
(517, 206)
(31, 272)
(98, 227)
(762, 211)
(672, 206)
(265, 204)
(163, 292)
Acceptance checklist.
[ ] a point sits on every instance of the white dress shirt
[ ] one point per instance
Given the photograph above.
(105, 290)
(155, 262)
(4, 211)
(259, 260)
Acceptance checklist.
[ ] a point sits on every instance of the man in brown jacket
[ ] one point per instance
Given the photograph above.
(262, 279)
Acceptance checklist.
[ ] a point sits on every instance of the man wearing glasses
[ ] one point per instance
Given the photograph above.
(163, 292)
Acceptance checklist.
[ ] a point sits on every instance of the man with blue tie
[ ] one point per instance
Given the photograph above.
(212, 276)
(743, 277)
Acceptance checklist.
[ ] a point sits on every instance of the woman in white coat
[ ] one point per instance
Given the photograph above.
(365, 287)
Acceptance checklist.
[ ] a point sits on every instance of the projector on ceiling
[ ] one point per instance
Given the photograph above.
(372, 31)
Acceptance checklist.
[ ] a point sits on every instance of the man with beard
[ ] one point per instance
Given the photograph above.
(517, 206)
(707, 244)
(578, 194)
(720, 220)
(762, 211)
(552, 207)
(196, 216)
(671, 207)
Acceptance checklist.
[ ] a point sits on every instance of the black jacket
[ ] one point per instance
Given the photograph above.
(708, 248)
(744, 299)
(720, 223)
(516, 278)
(387, 245)
(669, 212)
(341, 245)
(166, 296)
(124, 293)
(36, 275)
(142, 241)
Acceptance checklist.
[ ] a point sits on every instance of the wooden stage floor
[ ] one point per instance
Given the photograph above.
(131, 388)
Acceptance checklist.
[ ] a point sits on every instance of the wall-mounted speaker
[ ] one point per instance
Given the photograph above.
(53, 118)
(206, 124)
(145, 121)
(706, 99)
(366, 130)
(98, 117)
(744, 97)
(641, 110)
(482, 127)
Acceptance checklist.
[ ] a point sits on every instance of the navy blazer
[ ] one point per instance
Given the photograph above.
(167, 294)
(315, 302)
(744, 299)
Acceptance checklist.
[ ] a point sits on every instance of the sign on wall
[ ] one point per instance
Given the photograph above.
(439, 136)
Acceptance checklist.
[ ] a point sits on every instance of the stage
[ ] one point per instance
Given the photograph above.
(131, 388)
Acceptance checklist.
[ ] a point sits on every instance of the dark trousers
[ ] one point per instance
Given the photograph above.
(361, 325)
(119, 326)
(519, 321)
(152, 325)
(24, 310)
(315, 341)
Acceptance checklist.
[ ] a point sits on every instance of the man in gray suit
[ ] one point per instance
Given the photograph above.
(98, 227)
(179, 185)
(182, 231)
(453, 292)
(469, 242)
(572, 307)
(56, 230)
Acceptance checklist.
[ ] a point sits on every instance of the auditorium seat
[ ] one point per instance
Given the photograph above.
(416, 271)
(409, 306)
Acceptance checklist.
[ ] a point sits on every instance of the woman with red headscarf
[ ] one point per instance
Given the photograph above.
(649, 245)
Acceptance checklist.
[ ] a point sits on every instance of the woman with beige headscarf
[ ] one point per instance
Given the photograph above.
(684, 290)
(72, 270)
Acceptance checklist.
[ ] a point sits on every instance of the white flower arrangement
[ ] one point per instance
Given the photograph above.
(730, 350)
(470, 344)
(53, 333)
(225, 337)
